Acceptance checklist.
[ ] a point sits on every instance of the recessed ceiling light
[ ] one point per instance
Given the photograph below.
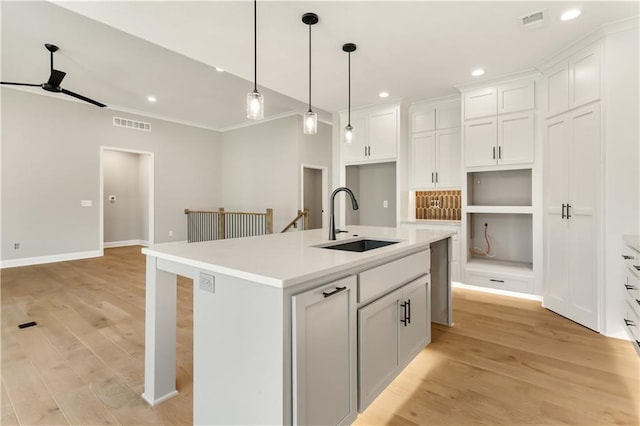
(383, 94)
(477, 72)
(151, 98)
(570, 14)
(219, 69)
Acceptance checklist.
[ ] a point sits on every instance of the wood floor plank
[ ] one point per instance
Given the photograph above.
(505, 362)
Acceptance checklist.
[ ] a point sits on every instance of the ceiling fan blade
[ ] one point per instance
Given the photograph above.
(56, 78)
(84, 98)
(20, 84)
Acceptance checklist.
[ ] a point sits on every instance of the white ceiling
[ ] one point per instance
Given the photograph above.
(414, 50)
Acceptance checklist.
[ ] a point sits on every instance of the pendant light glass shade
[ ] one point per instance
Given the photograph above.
(255, 101)
(310, 124)
(255, 105)
(348, 130)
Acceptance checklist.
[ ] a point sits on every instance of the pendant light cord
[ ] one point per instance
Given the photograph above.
(255, 45)
(309, 68)
(349, 119)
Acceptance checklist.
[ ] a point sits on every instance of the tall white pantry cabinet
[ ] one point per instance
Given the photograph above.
(572, 187)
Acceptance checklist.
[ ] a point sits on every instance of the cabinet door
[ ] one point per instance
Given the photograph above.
(557, 90)
(378, 336)
(480, 103)
(480, 138)
(515, 138)
(584, 77)
(355, 151)
(556, 191)
(324, 347)
(448, 115)
(517, 96)
(423, 160)
(423, 118)
(415, 327)
(383, 135)
(448, 159)
(584, 177)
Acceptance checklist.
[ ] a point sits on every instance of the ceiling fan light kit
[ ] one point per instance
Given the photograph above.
(310, 122)
(348, 130)
(255, 100)
(55, 78)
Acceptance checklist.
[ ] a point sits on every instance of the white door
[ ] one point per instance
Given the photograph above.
(415, 327)
(378, 336)
(423, 160)
(515, 138)
(480, 138)
(583, 225)
(324, 363)
(556, 191)
(448, 159)
(383, 135)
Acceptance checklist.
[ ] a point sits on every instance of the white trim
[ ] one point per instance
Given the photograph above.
(250, 123)
(622, 25)
(325, 190)
(127, 243)
(498, 292)
(585, 42)
(529, 73)
(26, 261)
(159, 400)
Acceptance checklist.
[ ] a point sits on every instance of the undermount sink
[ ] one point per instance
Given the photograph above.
(359, 245)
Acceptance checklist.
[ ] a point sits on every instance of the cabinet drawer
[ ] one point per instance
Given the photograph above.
(632, 261)
(632, 321)
(631, 284)
(499, 281)
(379, 280)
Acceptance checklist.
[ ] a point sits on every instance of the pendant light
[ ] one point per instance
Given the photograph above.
(255, 101)
(348, 130)
(310, 123)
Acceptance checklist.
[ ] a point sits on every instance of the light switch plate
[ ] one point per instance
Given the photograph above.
(86, 203)
(207, 282)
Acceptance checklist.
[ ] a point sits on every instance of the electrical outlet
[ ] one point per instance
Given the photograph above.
(171, 233)
(207, 282)
(16, 246)
(385, 204)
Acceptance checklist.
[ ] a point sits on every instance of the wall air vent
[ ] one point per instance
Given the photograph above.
(534, 20)
(131, 124)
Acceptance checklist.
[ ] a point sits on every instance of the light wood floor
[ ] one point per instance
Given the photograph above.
(505, 361)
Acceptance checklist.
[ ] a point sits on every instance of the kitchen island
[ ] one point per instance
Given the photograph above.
(286, 330)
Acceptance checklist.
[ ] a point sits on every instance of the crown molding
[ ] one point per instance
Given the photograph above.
(502, 78)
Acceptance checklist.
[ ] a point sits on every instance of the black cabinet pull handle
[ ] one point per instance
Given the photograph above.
(629, 323)
(494, 152)
(404, 313)
(331, 293)
(568, 207)
(499, 153)
(625, 257)
(638, 301)
(436, 177)
(409, 311)
(432, 180)
(496, 281)
(563, 215)
(629, 287)
(637, 267)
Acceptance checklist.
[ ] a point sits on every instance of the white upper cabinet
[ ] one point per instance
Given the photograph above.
(423, 160)
(423, 118)
(481, 103)
(504, 133)
(573, 82)
(517, 96)
(375, 135)
(448, 115)
(435, 116)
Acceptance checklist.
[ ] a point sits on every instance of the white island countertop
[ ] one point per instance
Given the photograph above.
(284, 260)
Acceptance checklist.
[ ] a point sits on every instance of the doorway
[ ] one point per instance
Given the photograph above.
(314, 195)
(126, 198)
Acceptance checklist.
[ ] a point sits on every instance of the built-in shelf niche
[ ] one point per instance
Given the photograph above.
(499, 188)
(510, 235)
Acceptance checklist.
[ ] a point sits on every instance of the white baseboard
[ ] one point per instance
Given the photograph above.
(496, 291)
(126, 243)
(26, 261)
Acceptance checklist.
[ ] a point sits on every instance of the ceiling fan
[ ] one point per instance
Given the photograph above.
(53, 84)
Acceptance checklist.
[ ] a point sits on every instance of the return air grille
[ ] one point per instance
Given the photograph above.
(131, 124)
(534, 20)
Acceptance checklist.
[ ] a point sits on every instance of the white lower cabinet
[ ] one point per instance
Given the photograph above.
(391, 331)
(324, 354)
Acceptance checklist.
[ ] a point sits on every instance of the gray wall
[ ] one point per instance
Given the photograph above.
(313, 196)
(372, 184)
(262, 166)
(126, 177)
(51, 161)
